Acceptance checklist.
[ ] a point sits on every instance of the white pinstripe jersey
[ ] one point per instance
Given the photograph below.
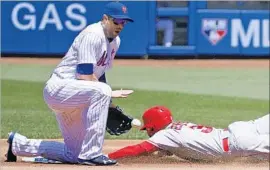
(90, 46)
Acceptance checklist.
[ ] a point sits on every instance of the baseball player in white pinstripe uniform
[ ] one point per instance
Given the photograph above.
(78, 94)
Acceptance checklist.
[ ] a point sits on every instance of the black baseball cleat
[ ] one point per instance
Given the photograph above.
(101, 160)
(10, 156)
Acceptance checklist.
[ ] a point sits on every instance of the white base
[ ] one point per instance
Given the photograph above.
(39, 160)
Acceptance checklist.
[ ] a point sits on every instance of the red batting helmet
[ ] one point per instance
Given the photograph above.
(157, 118)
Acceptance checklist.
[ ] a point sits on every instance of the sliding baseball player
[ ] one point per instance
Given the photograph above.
(198, 142)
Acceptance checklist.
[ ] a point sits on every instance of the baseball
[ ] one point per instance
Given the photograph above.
(136, 123)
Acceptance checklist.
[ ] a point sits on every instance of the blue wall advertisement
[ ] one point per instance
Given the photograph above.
(49, 28)
(243, 33)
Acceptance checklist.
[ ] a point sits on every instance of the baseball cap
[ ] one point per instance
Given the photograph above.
(117, 10)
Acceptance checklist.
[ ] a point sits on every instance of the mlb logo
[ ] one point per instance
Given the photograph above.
(214, 29)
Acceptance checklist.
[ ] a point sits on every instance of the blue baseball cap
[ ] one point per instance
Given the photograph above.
(117, 10)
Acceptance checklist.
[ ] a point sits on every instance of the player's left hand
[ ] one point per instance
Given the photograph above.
(118, 122)
(121, 93)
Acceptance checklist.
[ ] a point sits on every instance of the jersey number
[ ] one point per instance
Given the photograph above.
(204, 129)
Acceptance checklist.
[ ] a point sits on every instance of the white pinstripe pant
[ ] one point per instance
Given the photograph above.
(81, 109)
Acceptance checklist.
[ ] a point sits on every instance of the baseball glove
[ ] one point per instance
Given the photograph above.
(118, 122)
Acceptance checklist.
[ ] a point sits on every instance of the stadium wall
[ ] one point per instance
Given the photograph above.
(48, 28)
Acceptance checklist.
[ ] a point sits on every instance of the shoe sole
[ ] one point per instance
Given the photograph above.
(95, 164)
(87, 163)
(92, 164)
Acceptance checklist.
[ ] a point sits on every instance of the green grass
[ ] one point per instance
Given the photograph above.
(234, 82)
(24, 110)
